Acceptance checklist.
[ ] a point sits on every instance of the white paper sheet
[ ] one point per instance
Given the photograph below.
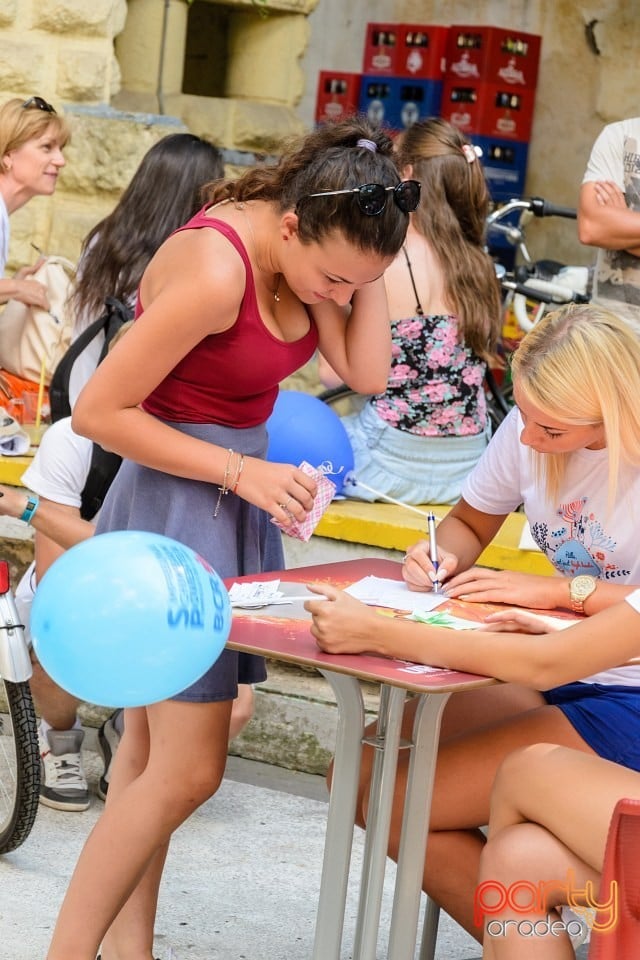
(380, 592)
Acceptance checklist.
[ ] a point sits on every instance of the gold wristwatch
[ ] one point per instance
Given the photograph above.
(580, 588)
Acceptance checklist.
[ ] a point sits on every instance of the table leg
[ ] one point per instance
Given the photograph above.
(341, 816)
(415, 829)
(386, 745)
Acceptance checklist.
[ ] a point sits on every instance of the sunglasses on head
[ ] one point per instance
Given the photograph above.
(372, 197)
(39, 104)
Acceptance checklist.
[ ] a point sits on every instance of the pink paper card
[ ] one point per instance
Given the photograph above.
(324, 496)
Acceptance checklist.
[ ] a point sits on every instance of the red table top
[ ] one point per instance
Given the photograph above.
(288, 638)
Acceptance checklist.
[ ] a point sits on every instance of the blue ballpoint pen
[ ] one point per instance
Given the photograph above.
(433, 547)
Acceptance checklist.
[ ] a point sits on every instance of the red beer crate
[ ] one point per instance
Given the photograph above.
(493, 55)
(337, 96)
(488, 109)
(405, 50)
(380, 50)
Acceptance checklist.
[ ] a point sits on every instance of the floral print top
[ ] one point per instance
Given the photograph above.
(435, 386)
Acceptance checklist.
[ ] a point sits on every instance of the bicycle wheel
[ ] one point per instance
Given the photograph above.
(19, 765)
(499, 399)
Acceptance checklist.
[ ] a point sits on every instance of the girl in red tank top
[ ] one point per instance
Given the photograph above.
(288, 258)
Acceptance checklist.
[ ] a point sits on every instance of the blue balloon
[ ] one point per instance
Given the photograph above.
(129, 618)
(302, 427)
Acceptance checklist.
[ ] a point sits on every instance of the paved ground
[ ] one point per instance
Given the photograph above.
(241, 882)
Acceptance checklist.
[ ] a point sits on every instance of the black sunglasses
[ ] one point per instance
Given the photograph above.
(372, 197)
(39, 104)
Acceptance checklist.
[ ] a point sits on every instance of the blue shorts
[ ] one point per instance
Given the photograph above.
(607, 717)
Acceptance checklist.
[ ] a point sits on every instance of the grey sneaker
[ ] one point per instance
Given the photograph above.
(63, 784)
(108, 740)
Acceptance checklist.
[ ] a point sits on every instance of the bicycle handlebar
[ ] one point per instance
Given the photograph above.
(537, 205)
(544, 291)
(543, 208)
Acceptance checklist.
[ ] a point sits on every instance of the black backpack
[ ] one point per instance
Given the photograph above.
(104, 464)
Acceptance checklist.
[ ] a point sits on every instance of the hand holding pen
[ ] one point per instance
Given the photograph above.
(425, 565)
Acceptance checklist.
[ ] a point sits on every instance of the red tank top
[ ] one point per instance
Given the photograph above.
(230, 378)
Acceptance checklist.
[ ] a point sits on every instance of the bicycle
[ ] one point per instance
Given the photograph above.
(531, 287)
(19, 751)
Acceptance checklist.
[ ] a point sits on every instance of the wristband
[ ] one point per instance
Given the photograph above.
(32, 505)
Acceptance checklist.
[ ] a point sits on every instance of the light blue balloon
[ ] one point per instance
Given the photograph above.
(129, 618)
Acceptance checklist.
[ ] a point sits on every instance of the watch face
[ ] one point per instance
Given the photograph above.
(583, 585)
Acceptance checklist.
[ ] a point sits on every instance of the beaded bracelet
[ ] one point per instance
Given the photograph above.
(33, 502)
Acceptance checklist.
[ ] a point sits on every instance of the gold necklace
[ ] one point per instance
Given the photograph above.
(276, 293)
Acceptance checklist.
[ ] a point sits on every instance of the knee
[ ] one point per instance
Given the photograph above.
(189, 790)
(497, 854)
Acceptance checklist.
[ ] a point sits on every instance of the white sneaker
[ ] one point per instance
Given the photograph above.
(63, 784)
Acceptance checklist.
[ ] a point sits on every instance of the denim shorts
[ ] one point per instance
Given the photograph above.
(606, 716)
(406, 466)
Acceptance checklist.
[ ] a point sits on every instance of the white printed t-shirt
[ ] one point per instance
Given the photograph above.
(58, 472)
(577, 533)
(615, 156)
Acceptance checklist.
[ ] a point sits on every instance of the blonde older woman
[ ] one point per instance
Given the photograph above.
(32, 138)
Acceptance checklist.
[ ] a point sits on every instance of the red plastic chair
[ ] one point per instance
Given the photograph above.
(622, 864)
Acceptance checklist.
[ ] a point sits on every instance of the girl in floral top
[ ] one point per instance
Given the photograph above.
(419, 439)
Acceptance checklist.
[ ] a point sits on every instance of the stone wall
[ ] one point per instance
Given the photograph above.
(120, 70)
(243, 74)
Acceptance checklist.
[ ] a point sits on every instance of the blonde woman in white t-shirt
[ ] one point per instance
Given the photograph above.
(571, 455)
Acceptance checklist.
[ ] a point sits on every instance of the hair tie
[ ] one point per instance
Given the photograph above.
(367, 144)
(471, 152)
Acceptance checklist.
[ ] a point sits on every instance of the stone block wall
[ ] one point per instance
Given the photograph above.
(122, 70)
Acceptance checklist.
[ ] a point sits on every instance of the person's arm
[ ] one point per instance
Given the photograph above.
(26, 291)
(483, 585)
(356, 340)
(179, 283)
(604, 221)
(59, 523)
(542, 661)
(327, 375)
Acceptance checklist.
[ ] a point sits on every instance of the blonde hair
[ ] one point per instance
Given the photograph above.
(19, 124)
(581, 365)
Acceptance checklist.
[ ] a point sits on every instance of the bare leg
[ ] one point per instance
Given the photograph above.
(170, 761)
(54, 704)
(497, 720)
(527, 852)
(569, 833)
(241, 710)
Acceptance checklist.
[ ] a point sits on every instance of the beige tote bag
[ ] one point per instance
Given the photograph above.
(29, 334)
